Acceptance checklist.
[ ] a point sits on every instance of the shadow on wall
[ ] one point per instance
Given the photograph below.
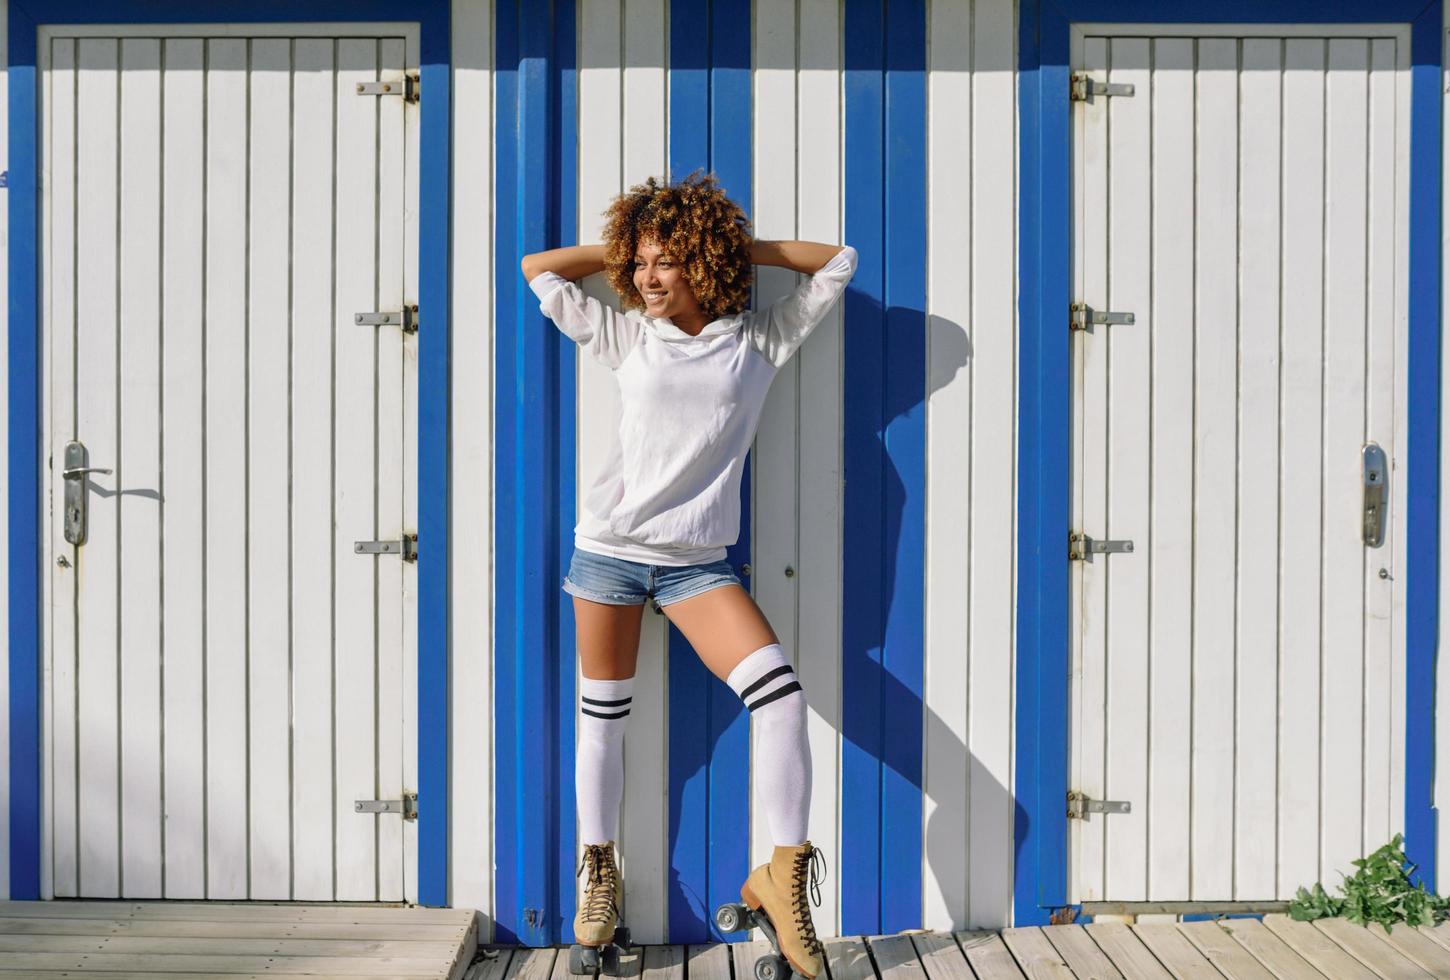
(946, 838)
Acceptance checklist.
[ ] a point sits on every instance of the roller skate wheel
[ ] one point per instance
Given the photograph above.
(621, 936)
(583, 959)
(609, 961)
(731, 917)
(773, 967)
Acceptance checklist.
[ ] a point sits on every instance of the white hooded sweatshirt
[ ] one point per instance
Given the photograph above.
(668, 492)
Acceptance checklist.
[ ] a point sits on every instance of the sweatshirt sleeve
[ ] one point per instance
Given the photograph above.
(604, 332)
(779, 330)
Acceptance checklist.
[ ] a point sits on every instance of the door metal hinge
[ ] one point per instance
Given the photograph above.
(407, 806)
(1080, 547)
(407, 547)
(1084, 317)
(1084, 87)
(408, 87)
(407, 318)
(1079, 806)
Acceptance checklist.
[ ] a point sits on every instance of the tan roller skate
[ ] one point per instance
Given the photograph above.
(598, 936)
(775, 902)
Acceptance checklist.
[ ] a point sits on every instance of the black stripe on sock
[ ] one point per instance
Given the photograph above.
(601, 714)
(770, 676)
(776, 695)
(607, 704)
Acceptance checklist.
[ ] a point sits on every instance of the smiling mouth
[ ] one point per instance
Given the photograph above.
(654, 297)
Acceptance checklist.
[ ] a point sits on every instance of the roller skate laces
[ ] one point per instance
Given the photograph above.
(601, 886)
(808, 860)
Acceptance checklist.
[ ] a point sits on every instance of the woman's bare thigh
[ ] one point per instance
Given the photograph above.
(724, 625)
(608, 638)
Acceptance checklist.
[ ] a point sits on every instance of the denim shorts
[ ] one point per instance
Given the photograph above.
(620, 582)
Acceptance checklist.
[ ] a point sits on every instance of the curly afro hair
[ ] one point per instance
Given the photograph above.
(694, 223)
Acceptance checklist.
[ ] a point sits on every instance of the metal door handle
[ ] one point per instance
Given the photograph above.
(76, 471)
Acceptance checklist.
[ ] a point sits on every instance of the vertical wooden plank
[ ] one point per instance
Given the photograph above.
(1343, 667)
(1299, 466)
(183, 486)
(1129, 396)
(1382, 809)
(391, 471)
(777, 448)
(224, 452)
(47, 556)
(1257, 638)
(61, 311)
(58, 578)
(139, 351)
(1170, 554)
(992, 600)
(409, 720)
(471, 546)
(1215, 454)
(269, 666)
(1087, 837)
(601, 144)
(354, 467)
(311, 245)
(818, 649)
(639, 140)
(947, 765)
(97, 561)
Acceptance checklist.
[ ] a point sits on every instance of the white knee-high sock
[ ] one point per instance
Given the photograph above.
(599, 758)
(767, 684)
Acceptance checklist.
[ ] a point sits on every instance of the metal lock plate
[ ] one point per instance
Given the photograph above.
(1080, 547)
(1079, 806)
(1084, 88)
(76, 492)
(407, 547)
(407, 806)
(1376, 494)
(1084, 317)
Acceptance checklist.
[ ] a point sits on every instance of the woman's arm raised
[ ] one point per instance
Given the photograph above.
(572, 262)
(803, 257)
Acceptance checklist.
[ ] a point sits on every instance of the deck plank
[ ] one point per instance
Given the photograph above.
(167, 963)
(1416, 946)
(351, 931)
(664, 963)
(532, 964)
(710, 962)
(201, 946)
(743, 955)
(1126, 951)
(493, 963)
(104, 974)
(1369, 949)
(1037, 956)
(1175, 952)
(1216, 942)
(1277, 956)
(1323, 953)
(846, 956)
(1440, 932)
(1083, 956)
(988, 955)
(941, 957)
(896, 958)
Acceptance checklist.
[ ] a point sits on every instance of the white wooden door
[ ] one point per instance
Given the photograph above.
(227, 675)
(1238, 677)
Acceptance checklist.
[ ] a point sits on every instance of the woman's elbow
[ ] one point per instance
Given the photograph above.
(530, 267)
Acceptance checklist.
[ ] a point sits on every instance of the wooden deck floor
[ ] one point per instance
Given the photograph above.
(180, 940)
(1238, 949)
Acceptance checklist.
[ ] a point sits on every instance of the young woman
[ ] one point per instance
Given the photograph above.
(693, 367)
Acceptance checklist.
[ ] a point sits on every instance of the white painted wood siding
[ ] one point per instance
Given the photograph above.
(1236, 678)
(228, 675)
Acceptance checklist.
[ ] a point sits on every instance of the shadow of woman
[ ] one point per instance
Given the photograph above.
(973, 814)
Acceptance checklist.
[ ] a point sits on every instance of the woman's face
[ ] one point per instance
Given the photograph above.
(661, 282)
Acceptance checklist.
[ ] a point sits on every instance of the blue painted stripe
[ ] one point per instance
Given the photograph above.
(709, 788)
(1040, 872)
(885, 461)
(24, 463)
(534, 695)
(565, 232)
(432, 16)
